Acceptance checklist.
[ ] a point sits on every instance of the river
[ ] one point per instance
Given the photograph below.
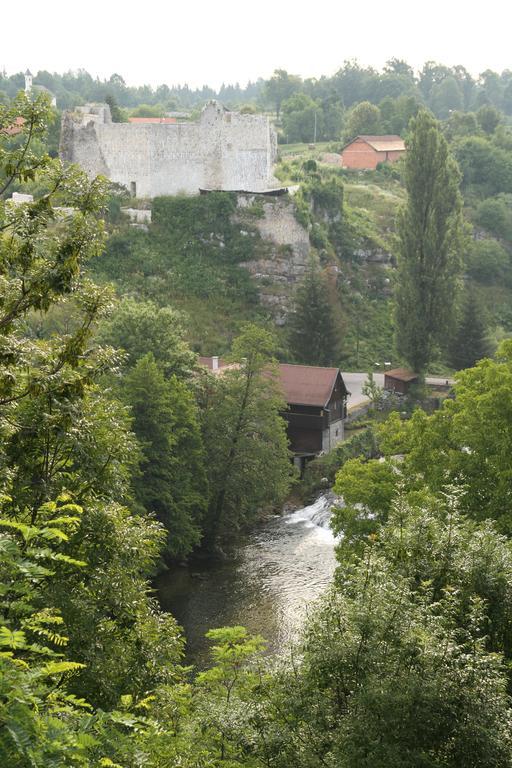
(275, 574)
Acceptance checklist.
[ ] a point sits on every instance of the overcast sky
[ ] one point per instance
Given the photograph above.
(215, 41)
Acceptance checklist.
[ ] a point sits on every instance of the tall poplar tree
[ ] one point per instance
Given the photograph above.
(430, 240)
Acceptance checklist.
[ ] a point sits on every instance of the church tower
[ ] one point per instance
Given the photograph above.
(28, 81)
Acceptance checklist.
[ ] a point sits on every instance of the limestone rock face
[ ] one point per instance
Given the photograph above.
(285, 253)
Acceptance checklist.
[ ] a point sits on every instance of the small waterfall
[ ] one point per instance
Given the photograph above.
(316, 515)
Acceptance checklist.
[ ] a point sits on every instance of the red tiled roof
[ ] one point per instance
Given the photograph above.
(307, 384)
(385, 143)
(402, 374)
(300, 384)
(14, 128)
(159, 120)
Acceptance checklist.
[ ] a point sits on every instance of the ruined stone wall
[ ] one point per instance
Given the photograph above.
(223, 150)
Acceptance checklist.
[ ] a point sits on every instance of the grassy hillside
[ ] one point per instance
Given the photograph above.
(190, 257)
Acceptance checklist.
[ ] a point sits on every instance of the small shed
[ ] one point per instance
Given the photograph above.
(366, 152)
(399, 380)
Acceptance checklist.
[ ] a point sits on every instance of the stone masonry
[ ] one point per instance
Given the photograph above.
(223, 150)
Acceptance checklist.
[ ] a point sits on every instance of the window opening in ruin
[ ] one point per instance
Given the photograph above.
(133, 188)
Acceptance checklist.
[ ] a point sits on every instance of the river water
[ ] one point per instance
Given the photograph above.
(275, 574)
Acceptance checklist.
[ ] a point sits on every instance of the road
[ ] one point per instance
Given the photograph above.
(354, 383)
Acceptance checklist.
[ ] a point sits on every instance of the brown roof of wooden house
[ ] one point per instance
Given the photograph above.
(401, 374)
(300, 384)
(308, 384)
(386, 143)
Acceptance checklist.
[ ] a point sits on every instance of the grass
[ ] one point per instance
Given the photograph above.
(304, 149)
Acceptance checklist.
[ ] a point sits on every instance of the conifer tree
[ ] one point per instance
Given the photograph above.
(429, 251)
(313, 338)
(470, 343)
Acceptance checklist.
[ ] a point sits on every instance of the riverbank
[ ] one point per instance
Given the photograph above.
(277, 571)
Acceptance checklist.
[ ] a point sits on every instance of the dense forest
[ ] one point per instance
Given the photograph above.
(120, 454)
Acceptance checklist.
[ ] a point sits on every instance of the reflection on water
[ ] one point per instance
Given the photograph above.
(286, 563)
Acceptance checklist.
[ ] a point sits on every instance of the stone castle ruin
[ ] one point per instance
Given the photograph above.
(223, 150)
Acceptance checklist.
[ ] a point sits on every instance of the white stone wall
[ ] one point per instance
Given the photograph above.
(223, 150)
(329, 436)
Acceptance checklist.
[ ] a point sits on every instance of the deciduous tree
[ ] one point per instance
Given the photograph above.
(248, 461)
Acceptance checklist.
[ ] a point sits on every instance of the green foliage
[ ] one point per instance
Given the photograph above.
(471, 342)
(363, 119)
(446, 97)
(429, 229)
(172, 482)
(280, 87)
(367, 489)
(313, 337)
(190, 258)
(495, 215)
(467, 441)
(141, 327)
(488, 118)
(148, 110)
(489, 262)
(361, 444)
(232, 686)
(372, 391)
(117, 114)
(403, 639)
(65, 437)
(300, 114)
(397, 113)
(486, 168)
(245, 440)
(41, 723)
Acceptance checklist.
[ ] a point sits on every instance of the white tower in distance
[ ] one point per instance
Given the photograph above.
(28, 81)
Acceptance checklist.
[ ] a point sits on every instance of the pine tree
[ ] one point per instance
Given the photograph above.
(429, 253)
(470, 343)
(313, 338)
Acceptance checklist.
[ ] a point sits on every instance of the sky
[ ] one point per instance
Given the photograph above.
(215, 41)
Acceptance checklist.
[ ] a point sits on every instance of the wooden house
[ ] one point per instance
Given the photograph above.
(366, 152)
(399, 380)
(317, 407)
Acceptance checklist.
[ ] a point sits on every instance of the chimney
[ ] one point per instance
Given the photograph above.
(215, 363)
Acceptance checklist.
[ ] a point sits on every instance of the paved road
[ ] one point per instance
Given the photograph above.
(354, 383)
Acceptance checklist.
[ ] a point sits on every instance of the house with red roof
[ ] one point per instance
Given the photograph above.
(317, 405)
(366, 152)
(14, 128)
